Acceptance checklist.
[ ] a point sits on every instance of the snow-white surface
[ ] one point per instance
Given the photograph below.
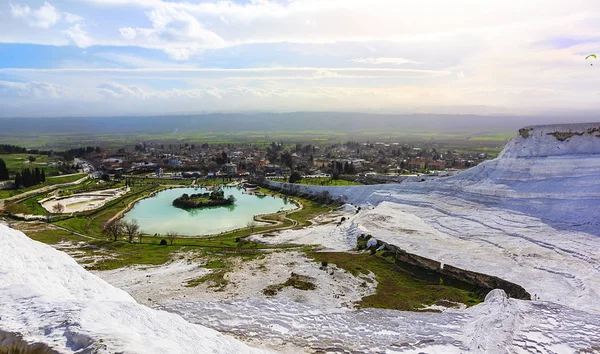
(156, 285)
(499, 325)
(532, 220)
(84, 201)
(47, 297)
(531, 216)
(539, 141)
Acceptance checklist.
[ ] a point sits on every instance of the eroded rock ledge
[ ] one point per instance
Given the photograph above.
(483, 282)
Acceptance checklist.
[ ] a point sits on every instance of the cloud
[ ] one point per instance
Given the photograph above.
(44, 17)
(78, 36)
(71, 18)
(111, 97)
(177, 32)
(115, 90)
(378, 61)
(273, 50)
(33, 89)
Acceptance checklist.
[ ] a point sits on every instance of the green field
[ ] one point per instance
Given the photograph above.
(397, 287)
(321, 181)
(148, 251)
(255, 137)
(16, 162)
(499, 137)
(50, 181)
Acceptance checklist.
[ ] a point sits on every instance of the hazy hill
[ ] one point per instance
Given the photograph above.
(270, 122)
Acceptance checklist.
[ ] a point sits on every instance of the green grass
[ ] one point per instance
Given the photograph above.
(400, 288)
(50, 181)
(163, 181)
(31, 205)
(216, 280)
(16, 162)
(499, 137)
(296, 281)
(91, 222)
(309, 211)
(148, 251)
(325, 181)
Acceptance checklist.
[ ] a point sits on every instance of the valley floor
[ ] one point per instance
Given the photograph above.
(560, 267)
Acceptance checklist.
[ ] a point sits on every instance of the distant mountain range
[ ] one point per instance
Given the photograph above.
(269, 122)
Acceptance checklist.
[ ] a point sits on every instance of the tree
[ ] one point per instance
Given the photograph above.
(251, 225)
(18, 180)
(295, 177)
(287, 159)
(58, 208)
(113, 228)
(172, 235)
(3, 170)
(132, 229)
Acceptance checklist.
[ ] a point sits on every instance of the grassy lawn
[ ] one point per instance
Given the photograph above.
(16, 162)
(309, 211)
(400, 287)
(90, 222)
(139, 181)
(499, 137)
(148, 251)
(50, 181)
(321, 181)
(31, 205)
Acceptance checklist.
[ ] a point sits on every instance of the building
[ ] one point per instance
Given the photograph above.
(436, 165)
(416, 164)
(230, 168)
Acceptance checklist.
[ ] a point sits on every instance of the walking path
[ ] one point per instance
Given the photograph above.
(40, 190)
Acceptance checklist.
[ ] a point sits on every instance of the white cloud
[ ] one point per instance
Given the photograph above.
(19, 11)
(378, 61)
(78, 36)
(71, 18)
(115, 90)
(44, 17)
(33, 89)
(468, 50)
(175, 31)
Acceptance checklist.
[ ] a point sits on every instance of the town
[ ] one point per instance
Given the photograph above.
(365, 161)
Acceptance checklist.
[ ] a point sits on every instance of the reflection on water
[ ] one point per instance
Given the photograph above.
(158, 215)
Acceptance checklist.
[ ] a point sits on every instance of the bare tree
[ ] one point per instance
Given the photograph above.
(58, 208)
(131, 228)
(113, 228)
(172, 235)
(251, 225)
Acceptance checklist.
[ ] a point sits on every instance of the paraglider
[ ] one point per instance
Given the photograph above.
(591, 56)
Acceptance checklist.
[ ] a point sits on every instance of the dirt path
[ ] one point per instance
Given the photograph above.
(40, 190)
(74, 233)
(122, 212)
(261, 218)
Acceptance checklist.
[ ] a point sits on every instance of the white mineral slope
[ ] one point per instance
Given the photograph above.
(48, 298)
(531, 216)
(499, 325)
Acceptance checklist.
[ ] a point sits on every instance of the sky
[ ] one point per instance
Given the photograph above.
(140, 57)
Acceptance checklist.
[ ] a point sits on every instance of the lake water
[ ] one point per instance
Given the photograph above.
(158, 215)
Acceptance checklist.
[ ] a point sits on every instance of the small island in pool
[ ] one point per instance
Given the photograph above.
(201, 200)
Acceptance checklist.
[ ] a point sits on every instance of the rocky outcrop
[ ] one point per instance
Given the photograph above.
(14, 343)
(483, 282)
(555, 140)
